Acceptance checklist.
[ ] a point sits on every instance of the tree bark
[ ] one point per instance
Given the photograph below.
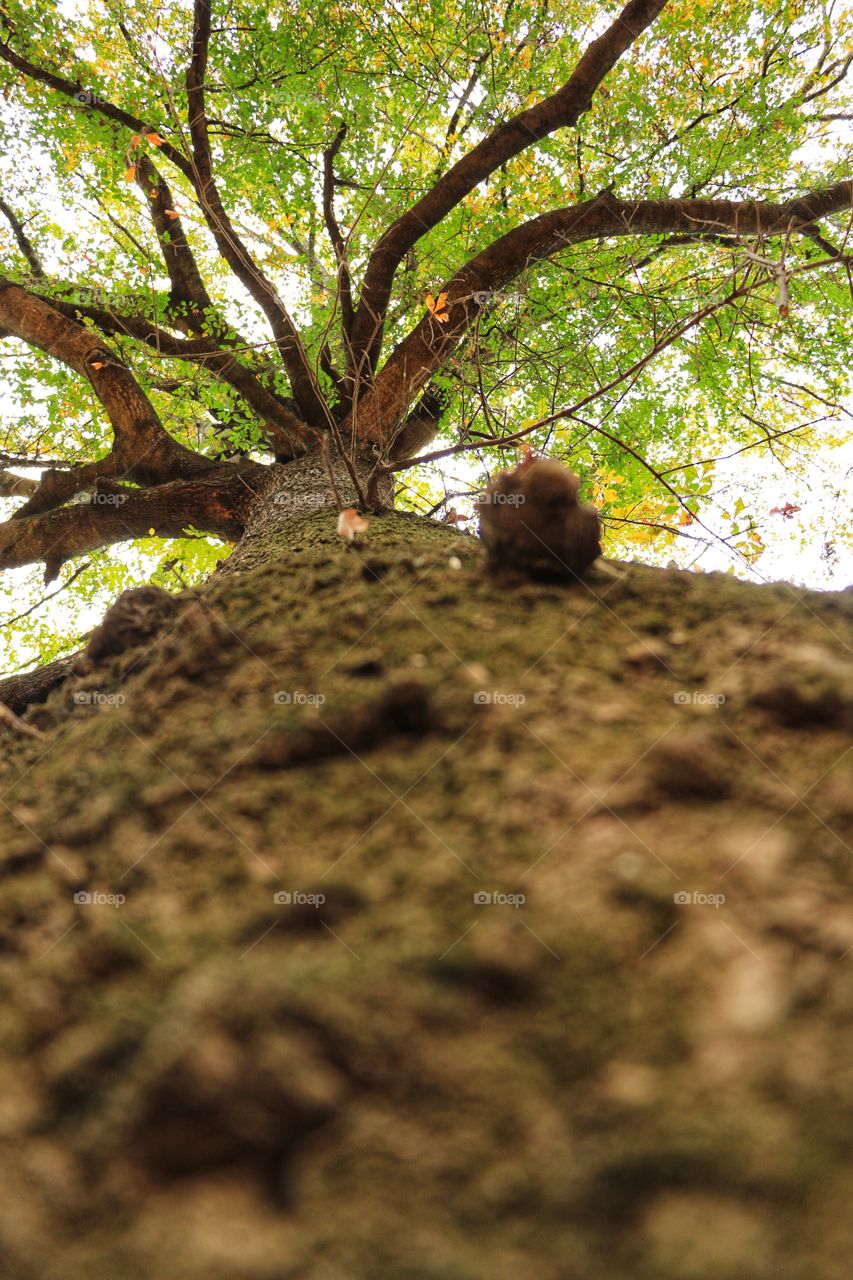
(619, 1076)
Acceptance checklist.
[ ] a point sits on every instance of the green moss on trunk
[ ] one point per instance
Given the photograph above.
(400, 1080)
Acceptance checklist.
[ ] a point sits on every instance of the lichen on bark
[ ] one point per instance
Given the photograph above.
(204, 1080)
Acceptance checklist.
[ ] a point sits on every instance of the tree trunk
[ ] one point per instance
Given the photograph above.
(366, 916)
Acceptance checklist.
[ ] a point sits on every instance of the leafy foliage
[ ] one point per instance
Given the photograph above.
(720, 100)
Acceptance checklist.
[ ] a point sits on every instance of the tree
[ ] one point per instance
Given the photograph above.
(519, 190)
(313, 862)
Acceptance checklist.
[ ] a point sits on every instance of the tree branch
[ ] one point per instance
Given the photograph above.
(302, 380)
(12, 486)
(287, 433)
(23, 240)
(142, 448)
(90, 100)
(217, 503)
(18, 692)
(337, 239)
(187, 284)
(419, 355)
(558, 111)
(199, 173)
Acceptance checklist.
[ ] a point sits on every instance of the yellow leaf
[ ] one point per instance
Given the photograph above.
(151, 533)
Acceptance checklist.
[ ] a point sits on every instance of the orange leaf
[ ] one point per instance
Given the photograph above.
(527, 457)
(154, 139)
(135, 141)
(130, 173)
(171, 213)
(350, 523)
(97, 364)
(436, 307)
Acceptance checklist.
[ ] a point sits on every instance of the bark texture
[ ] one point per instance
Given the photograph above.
(206, 1081)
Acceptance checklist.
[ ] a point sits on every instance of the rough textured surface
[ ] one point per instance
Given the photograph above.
(206, 1083)
(532, 523)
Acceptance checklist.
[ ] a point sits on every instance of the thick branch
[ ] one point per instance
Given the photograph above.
(334, 230)
(142, 448)
(20, 691)
(12, 486)
(418, 356)
(559, 111)
(302, 380)
(419, 427)
(216, 503)
(23, 240)
(187, 285)
(192, 308)
(199, 173)
(287, 433)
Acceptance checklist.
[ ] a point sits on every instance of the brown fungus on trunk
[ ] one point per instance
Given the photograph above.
(531, 522)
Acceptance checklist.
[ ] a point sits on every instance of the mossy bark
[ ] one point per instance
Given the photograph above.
(384, 1075)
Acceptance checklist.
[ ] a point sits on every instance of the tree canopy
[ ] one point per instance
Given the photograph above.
(617, 233)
